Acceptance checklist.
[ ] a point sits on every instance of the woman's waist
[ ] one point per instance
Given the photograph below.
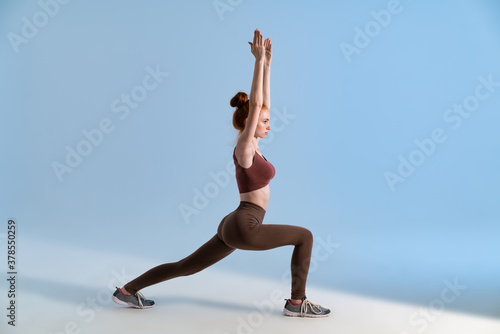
(259, 197)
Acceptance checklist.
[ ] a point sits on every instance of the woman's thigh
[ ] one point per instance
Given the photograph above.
(271, 236)
(246, 233)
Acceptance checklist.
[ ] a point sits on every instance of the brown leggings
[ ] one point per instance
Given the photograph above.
(241, 229)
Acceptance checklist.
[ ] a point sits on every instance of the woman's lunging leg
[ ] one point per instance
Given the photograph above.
(211, 252)
(281, 235)
(268, 236)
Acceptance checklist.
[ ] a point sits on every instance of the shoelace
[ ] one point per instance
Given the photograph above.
(139, 296)
(315, 308)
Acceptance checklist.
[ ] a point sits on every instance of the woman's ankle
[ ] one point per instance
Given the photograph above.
(296, 301)
(125, 292)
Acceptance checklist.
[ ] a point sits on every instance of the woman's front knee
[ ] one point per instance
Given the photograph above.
(307, 236)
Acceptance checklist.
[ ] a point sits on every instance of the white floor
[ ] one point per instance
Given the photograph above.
(65, 290)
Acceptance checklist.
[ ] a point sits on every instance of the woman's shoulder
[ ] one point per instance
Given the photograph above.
(244, 147)
(244, 154)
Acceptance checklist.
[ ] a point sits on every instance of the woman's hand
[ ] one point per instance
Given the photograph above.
(269, 51)
(257, 47)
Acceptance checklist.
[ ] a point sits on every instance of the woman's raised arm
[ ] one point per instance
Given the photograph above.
(267, 73)
(256, 96)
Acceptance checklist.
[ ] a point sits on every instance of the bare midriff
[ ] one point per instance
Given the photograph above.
(259, 197)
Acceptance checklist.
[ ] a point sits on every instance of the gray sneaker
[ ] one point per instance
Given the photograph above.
(306, 309)
(138, 300)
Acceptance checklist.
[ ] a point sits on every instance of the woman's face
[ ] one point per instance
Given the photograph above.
(263, 125)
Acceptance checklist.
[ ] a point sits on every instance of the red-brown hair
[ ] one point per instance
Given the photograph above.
(240, 101)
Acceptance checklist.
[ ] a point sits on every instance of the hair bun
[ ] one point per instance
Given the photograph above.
(239, 100)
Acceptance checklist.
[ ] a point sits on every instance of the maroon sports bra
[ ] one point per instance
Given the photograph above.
(257, 176)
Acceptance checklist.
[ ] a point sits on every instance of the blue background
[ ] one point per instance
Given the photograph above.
(350, 118)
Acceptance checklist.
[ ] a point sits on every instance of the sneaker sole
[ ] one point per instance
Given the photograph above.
(121, 302)
(289, 313)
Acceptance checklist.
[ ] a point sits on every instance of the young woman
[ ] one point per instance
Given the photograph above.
(243, 228)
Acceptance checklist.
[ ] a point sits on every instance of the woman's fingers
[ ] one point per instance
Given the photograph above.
(267, 43)
(258, 44)
(257, 38)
